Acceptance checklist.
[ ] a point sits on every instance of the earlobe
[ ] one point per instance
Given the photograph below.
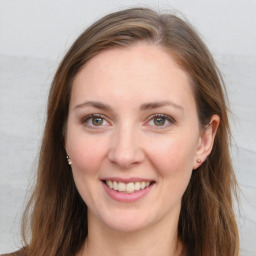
(206, 141)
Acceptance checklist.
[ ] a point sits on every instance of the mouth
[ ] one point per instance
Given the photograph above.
(128, 187)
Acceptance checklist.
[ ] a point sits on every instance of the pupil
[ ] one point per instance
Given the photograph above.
(159, 121)
(97, 121)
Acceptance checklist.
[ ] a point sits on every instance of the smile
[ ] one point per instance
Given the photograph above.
(127, 190)
(127, 187)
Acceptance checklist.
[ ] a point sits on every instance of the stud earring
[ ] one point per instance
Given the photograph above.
(199, 161)
(69, 160)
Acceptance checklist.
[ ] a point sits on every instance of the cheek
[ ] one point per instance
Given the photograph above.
(172, 156)
(87, 154)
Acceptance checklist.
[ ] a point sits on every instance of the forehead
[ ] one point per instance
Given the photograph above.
(141, 72)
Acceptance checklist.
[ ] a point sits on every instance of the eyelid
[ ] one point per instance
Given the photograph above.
(86, 118)
(170, 119)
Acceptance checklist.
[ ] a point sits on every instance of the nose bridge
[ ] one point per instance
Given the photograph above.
(125, 149)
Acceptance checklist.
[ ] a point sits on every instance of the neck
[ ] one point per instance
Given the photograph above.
(160, 239)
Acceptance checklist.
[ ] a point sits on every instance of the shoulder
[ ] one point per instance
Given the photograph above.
(21, 252)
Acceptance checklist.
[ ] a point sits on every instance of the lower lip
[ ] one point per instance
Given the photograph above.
(127, 197)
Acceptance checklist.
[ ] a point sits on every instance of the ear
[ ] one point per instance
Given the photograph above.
(206, 141)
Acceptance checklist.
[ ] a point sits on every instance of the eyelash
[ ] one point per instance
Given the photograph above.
(165, 117)
(87, 118)
(151, 118)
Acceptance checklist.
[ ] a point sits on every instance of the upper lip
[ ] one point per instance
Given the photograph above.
(127, 180)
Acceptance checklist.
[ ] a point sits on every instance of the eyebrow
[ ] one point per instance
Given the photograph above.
(143, 107)
(159, 104)
(95, 104)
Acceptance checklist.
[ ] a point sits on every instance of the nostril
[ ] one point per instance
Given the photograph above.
(126, 158)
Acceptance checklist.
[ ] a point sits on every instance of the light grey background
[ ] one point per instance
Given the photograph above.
(34, 35)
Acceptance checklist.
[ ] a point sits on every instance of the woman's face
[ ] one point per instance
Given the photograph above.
(133, 137)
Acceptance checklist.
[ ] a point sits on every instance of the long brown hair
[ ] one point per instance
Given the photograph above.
(55, 220)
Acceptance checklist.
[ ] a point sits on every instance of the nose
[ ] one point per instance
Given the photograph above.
(125, 150)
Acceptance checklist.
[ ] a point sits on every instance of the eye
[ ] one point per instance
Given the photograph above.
(95, 120)
(161, 120)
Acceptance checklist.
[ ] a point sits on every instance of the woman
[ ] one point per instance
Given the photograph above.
(135, 156)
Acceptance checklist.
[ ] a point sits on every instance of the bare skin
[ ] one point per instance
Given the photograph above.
(133, 117)
(139, 243)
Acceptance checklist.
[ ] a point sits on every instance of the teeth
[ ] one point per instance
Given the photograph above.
(121, 187)
(115, 187)
(129, 187)
(109, 183)
(137, 186)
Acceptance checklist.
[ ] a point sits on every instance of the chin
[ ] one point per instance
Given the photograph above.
(126, 222)
(127, 227)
